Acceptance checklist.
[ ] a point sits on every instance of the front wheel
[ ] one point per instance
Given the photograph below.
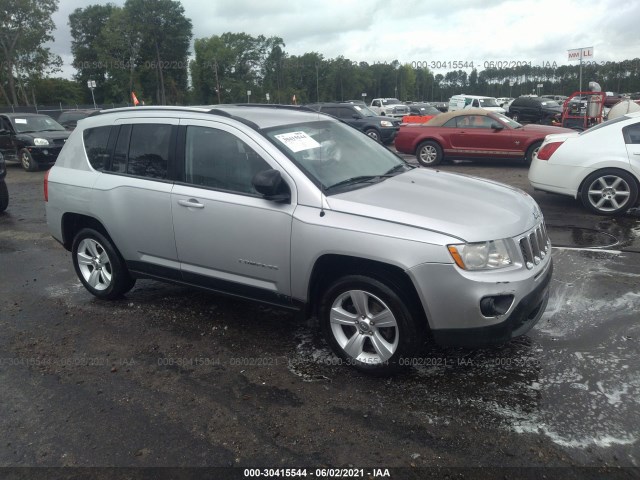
(99, 266)
(27, 161)
(609, 192)
(429, 153)
(373, 133)
(367, 324)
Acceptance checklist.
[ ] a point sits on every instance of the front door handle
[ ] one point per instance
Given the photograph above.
(191, 203)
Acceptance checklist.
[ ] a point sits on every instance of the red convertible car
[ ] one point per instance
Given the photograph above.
(471, 134)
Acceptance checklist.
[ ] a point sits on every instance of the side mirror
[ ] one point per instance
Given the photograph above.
(497, 126)
(270, 185)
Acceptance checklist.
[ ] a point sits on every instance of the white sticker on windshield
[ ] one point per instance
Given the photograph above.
(20, 120)
(357, 107)
(297, 141)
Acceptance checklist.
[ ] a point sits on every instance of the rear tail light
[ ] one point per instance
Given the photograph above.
(549, 149)
(46, 186)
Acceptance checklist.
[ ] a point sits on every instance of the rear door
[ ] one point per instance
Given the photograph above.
(228, 237)
(132, 197)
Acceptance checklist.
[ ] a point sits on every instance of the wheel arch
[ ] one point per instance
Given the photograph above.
(330, 267)
(72, 223)
(421, 140)
(603, 168)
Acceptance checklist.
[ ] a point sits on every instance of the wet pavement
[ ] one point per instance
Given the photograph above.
(171, 376)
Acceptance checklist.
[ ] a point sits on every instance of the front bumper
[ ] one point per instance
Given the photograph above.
(44, 155)
(388, 134)
(522, 319)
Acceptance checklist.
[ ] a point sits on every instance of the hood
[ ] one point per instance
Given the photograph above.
(462, 206)
(56, 135)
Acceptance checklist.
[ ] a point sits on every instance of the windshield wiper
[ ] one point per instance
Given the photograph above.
(395, 170)
(353, 181)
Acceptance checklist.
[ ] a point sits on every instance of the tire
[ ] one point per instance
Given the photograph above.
(27, 162)
(373, 133)
(429, 153)
(531, 151)
(609, 192)
(99, 266)
(348, 313)
(4, 196)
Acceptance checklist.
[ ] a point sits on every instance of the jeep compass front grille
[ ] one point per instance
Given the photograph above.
(535, 246)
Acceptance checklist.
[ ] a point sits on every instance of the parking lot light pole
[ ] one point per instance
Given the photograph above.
(92, 84)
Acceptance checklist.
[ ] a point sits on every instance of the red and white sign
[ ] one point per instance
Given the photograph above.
(581, 53)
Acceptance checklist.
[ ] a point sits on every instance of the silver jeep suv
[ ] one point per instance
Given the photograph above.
(296, 209)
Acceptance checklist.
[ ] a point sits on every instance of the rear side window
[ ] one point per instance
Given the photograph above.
(95, 145)
(143, 150)
(632, 134)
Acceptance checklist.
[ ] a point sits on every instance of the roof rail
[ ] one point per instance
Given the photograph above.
(275, 105)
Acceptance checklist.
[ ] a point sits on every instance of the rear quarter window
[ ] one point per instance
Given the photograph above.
(95, 145)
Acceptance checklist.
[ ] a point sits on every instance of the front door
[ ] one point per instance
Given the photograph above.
(228, 237)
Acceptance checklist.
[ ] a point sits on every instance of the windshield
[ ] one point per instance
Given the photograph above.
(41, 123)
(426, 109)
(332, 153)
(391, 101)
(488, 102)
(506, 120)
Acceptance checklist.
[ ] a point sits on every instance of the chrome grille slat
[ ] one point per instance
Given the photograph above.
(534, 246)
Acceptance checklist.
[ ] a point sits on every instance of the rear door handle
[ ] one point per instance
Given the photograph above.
(191, 203)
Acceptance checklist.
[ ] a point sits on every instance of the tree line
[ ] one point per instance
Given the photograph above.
(144, 47)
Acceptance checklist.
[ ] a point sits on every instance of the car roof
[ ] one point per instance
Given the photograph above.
(256, 115)
(443, 118)
(23, 115)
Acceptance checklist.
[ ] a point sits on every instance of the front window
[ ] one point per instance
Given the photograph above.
(41, 123)
(335, 156)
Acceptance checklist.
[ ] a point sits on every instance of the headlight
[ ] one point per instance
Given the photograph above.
(385, 123)
(40, 142)
(481, 255)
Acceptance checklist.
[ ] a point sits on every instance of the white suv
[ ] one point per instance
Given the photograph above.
(297, 209)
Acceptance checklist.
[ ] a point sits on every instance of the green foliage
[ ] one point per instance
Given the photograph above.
(25, 26)
(57, 90)
(141, 47)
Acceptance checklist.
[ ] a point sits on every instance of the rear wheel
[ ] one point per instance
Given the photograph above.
(99, 266)
(27, 161)
(429, 153)
(4, 196)
(609, 192)
(368, 325)
(533, 150)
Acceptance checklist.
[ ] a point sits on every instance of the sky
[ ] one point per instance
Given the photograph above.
(538, 32)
